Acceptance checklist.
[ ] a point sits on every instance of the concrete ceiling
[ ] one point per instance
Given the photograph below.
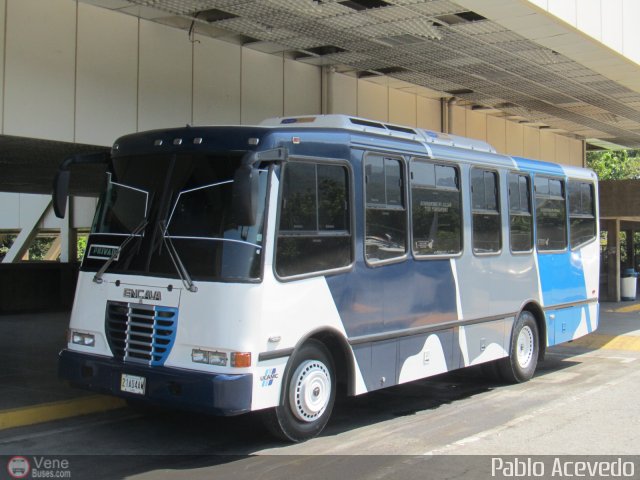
(438, 48)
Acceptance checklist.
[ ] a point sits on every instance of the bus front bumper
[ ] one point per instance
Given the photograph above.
(217, 394)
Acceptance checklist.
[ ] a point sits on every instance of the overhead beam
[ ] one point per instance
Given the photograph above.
(28, 165)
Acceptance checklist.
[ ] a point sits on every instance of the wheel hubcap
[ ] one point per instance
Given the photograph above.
(310, 390)
(525, 347)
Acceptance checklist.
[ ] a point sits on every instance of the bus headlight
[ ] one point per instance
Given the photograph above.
(210, 358)
(84, 339)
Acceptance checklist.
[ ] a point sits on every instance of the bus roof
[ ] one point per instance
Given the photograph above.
(482, 151)
(357, 124)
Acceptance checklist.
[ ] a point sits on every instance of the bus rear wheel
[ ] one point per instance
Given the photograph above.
(522, 361)
(308, 397)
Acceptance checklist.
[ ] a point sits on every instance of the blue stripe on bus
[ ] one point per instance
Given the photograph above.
(403, 295)
(562, 278)
(539, 167)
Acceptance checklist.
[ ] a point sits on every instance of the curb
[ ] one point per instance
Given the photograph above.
(21, 417)
(628, 309)
(597, 341)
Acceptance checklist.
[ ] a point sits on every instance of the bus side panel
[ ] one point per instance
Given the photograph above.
(268, 383)
(562, 278)
(401, 360)
(578, 271)
(396, 361)
(569, 323)
(484, 342)
(435, 355)
(394, 297)
(590, 254)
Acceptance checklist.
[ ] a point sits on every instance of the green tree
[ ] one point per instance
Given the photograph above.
(5, 244)
(615, 164)
(40, 247)
(82, 246)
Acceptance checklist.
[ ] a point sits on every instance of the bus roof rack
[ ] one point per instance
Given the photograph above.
(358, 124)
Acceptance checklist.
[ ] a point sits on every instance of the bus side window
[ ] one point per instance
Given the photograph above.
(436, 215)
(551, 214)
(386, 219)
(485, 205)
(315, 229)
(582, 219)
(520, 218)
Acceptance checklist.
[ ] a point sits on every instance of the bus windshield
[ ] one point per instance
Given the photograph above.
(185, 199)
(123, 208)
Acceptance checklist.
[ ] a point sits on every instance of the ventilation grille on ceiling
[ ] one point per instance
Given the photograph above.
(360, 5)
(213, 15)
(367, 74)
(462, 17)
(460, 91)
(325, 50)
(392, 70)
(506, 105)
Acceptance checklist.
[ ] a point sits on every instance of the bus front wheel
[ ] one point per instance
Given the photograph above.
(521, 363)
(308, 397)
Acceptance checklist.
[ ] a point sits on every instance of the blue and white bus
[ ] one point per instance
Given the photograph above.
(239, 268)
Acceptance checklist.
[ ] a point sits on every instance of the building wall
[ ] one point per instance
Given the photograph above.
(75, 72)
(373, 100)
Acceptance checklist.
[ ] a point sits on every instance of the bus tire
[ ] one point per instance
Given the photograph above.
(308, 397)
(522, 361)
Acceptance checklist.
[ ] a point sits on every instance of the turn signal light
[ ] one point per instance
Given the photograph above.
(241, 359)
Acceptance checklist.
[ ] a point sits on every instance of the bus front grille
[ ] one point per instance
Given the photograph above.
(140, 333)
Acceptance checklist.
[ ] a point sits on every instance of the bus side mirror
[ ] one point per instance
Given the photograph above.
(61, 192)
(61, 180)
(246, 185)
(246, 189)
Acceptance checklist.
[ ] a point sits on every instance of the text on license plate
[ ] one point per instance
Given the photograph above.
(132, 384)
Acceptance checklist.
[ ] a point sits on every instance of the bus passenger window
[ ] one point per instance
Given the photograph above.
(386, 222)
(582, 220)
(315, 228)
(551, 214)
(436, 214)
(486, 212)
(520, 218)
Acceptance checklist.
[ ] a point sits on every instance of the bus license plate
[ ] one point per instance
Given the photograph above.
(133, 384)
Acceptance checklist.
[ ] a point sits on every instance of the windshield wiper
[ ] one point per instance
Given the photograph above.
(175, 258)
(136, 231)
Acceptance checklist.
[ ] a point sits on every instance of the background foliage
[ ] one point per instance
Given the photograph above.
(615, 164)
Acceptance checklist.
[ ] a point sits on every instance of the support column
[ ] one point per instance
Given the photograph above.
(632, 248)
(68, 236)
(629, 248)
(326, 89)
(613, 255)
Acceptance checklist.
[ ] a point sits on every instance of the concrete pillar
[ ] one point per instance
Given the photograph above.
(613, 253)
(630, 250)
(68, 236)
